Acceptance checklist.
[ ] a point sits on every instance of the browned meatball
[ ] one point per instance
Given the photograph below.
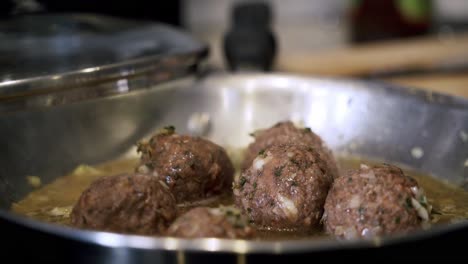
(284, 133)
(374, 201)
(194, 168)
(126, 203)
(223, 222)
(285, 188)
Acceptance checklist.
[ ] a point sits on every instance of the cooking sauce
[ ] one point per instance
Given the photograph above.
(54, 201)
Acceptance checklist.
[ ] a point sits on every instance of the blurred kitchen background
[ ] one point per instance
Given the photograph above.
(420, 43)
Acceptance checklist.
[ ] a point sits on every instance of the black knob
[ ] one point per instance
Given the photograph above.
(250, 43)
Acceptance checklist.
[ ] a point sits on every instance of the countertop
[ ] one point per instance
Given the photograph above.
(435, 63)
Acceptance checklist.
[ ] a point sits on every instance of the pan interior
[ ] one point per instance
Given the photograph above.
(422, 132)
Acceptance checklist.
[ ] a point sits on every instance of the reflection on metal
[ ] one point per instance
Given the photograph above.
(199, 124)
(180, 257)
(108, 239)
(122, 86)
(90, 70)
(241, 246)
(241, 259)
(211, 244)
(171, 243)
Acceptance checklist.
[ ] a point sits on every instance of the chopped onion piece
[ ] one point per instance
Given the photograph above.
(260, 161)
(143, 169)
(288, 207)
(163, 184)
(354, 202)
(364, 167)
(422, 212)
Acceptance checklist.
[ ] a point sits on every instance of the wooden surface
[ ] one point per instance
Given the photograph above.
(453, 84)
(366, 59)
(403, 55)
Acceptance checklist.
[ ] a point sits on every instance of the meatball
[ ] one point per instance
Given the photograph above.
(286, 132)
(284, 188)
(223, 222)
(374, 201)
(194, 168)
(126, 203)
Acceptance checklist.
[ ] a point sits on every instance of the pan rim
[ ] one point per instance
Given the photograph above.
(233, 246)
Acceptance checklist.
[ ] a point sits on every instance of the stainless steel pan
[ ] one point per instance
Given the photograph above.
(368, 119)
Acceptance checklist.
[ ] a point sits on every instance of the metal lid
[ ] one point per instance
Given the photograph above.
(43, 53)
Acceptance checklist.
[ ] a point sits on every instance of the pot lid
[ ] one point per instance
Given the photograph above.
(42, 52)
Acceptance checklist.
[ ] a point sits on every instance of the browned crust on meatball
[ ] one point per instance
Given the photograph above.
(288, 191)
(194, 168)
(372, 201)
(125, 203)
(202, 222)
(284, 133)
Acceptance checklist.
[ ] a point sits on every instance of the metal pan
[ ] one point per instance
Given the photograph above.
(354, 117)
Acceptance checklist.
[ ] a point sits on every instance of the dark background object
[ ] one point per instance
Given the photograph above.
(389, 19)
(162, 11)
(250, 42)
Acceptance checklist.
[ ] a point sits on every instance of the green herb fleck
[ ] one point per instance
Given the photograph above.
(249, 210)
(255, 185)
(307, 129)
(397, 220)
(278, 171)
(141, 147)
(293, 183)
(350, 179)
(242, 181)
(408, 204)
(361, 210)
(252, 134)
(423, 201)
(167, 130)
(295, 162)
(170, 128)
(262, 153)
